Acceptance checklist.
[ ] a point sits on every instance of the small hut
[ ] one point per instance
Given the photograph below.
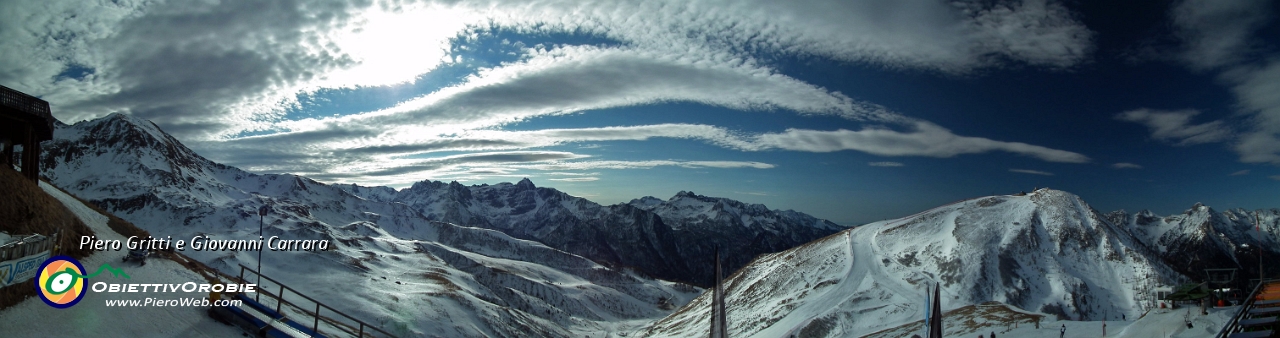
(24, 120)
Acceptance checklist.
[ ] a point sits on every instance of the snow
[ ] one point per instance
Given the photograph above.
(1045, 252)
(33, 318)
(1158, 323)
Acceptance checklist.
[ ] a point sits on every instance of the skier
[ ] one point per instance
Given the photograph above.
(1063, 331)
(993, 334)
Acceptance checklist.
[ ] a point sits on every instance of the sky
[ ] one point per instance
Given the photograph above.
(853, 111)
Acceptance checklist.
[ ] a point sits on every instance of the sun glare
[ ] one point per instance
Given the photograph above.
(396, 47)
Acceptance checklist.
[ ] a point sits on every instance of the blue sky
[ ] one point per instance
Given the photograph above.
(850, 111)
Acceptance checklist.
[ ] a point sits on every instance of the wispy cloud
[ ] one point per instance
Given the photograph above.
(192, 66)
(587, 165)
(575, 179)
(1175, 126)
(1240, 173)
(1218, 33)
(885, 164)
(205, 71)
(1126, 165)
(1276, 177)
(1033, 172)
(1221, 35)
(926, 140)
(1258, 91)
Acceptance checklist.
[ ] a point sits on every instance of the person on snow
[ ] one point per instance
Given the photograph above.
(1063, 331)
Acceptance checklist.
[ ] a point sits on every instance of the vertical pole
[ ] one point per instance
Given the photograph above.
(6, 147)
(1257, 225)
(262, 214)
(361, 334)
(35, 158)
(315, 327)
(280, 299)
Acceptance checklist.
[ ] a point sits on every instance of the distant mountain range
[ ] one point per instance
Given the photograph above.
(1202, 238)
(550, 264)
(672, 239)
(517, 259)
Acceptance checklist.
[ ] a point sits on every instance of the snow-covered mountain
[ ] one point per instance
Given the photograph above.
(1201, 237)
(1047, 252)
(504, 260)
(671, 240)
(389, 264)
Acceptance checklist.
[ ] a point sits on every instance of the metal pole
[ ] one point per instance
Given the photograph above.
(262, 214)
(315, 327)
(1257, 225)
(280, 299)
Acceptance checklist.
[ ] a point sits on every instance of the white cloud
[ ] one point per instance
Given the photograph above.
(205, 70)
(1275, 177)
(586, 165)
(1175, 126)
(572, 174)
(574, 79)
(885, 164)
(575, 179)
(1240, 173)
(1218, 33)
(1036, 31)
(1126, 165)
(1033, 172)
(926, 140)
(1258, 91)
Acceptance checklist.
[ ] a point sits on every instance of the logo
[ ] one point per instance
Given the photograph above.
(62, 279)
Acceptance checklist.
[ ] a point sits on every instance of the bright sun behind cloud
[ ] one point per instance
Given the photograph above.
(394, 47)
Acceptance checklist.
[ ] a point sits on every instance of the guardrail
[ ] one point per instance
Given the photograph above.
(26, 245)
(359, 328)
(1232, 325)
(26, 103)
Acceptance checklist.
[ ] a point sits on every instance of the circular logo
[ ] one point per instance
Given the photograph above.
(61, 283)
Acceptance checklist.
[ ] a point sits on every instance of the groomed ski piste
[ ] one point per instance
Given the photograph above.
(91, 317)
(1046, 252)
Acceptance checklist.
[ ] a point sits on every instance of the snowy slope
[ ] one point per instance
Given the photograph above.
(984, 319)
(91, 316)
(1046, 252)
(388, 264)
(1202, 237)
(671, 239)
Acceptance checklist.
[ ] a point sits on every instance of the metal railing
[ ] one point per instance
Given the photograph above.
(1232, 325)
(359, 328)
(26, 246)
(26, 103)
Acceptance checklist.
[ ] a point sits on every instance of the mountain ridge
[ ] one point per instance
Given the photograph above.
(1046, 252)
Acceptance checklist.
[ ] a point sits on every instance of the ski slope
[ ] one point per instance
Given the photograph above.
(92, 317)
(1047, 252)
